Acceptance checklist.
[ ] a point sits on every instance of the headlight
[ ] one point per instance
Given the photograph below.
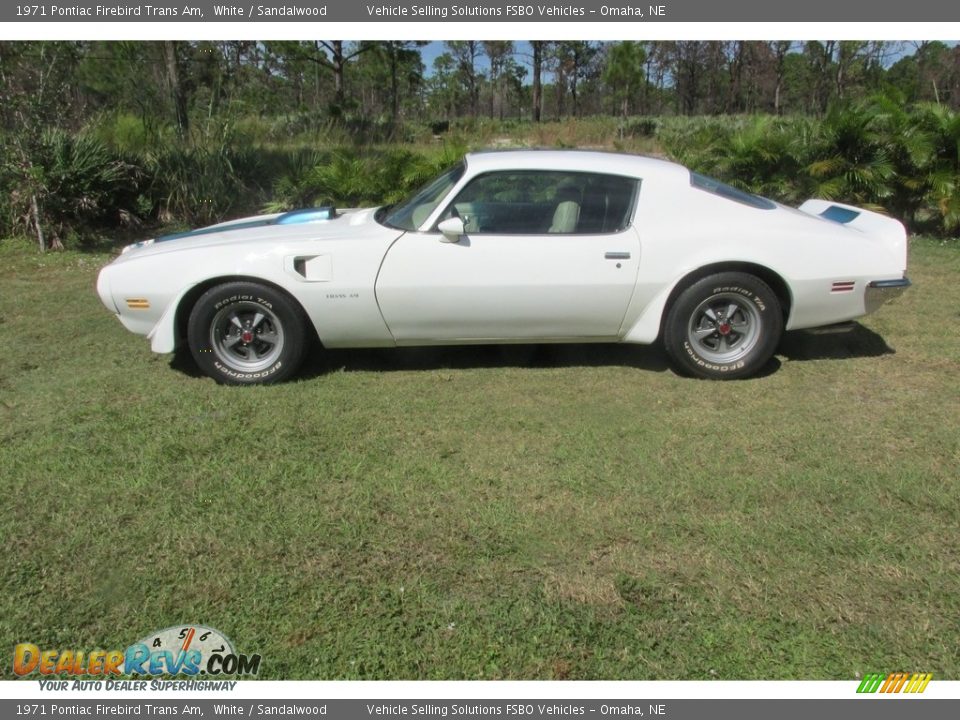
(137, 245)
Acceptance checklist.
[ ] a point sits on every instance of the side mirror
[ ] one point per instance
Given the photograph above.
(451, 230)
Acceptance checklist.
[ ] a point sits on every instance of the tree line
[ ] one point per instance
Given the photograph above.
(97, 133)
(175, 81)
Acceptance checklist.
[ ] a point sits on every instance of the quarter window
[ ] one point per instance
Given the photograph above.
(545, 202)
(712, 185)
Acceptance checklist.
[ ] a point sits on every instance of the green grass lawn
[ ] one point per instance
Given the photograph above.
(554, 512)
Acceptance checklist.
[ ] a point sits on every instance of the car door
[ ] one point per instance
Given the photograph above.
(545, 255)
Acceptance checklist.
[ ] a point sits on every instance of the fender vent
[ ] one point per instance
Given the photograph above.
(314, 268)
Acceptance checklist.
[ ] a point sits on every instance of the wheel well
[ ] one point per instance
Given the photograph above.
(190, 299)
(776, 283)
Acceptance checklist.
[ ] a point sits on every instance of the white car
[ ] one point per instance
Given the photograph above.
(536, 246)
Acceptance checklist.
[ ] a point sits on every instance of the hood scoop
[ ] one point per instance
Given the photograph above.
(308, 215)
(293, 217)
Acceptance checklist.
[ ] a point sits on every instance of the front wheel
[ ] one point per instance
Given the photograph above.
(244, 333)
(724, 326)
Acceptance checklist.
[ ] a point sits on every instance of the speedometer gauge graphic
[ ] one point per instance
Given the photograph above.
(186, 638)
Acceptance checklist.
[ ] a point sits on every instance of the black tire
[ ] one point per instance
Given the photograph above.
(244, 333)
(746, 320)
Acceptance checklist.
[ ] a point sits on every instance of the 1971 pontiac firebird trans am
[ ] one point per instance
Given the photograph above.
(533, 246)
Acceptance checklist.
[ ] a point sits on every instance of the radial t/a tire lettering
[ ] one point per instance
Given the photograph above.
(244, 333)
(724, 326)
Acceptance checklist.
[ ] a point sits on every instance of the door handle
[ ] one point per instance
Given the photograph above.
(617, 256)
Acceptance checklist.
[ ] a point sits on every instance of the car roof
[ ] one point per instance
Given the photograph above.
(577, 160)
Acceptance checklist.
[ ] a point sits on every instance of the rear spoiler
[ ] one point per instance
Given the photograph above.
(891, 233)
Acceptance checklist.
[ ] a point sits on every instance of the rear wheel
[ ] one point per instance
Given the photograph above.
(724, 326)
(244, 333)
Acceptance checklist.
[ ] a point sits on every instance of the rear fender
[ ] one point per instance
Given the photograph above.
(889, 233)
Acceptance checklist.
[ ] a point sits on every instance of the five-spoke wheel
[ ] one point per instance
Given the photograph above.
(242, 333)
(724, 326)
(246, 336)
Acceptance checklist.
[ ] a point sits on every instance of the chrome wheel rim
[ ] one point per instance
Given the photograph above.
(724, 328)
(246, 336)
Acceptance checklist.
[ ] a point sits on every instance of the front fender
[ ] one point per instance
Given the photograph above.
(163, 336)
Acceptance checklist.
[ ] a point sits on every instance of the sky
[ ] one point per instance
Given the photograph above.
(523, 52)
(431, 52)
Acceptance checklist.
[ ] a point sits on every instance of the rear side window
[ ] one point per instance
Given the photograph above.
(711, 185)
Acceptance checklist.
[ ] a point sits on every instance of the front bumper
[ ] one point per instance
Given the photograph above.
(882, 291)
(103, 290)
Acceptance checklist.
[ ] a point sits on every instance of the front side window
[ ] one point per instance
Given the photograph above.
(533, 202)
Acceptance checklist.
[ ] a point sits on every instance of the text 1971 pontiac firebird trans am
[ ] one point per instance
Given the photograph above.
(516, 246)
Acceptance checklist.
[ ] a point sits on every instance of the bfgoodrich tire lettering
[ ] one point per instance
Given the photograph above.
(244, 333)
(724, 326)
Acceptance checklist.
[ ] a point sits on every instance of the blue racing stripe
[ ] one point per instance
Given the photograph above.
(294, 217)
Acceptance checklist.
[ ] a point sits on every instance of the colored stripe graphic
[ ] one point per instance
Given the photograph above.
(870, 683)
(894, 682)
(919, 682)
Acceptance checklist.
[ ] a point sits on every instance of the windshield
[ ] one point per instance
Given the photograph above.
(411, 213)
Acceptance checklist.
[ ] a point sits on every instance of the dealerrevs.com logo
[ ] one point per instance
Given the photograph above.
(179, 650)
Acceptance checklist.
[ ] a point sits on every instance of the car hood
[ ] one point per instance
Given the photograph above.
(312, 223)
